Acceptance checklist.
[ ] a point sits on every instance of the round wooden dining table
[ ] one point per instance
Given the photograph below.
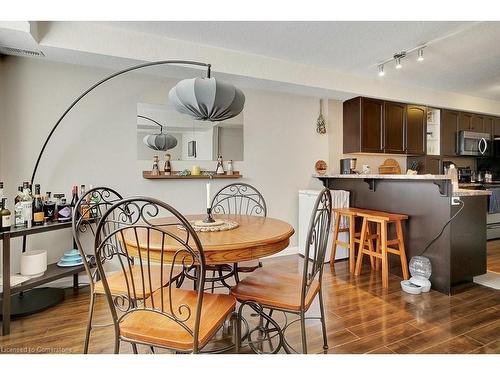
(254, 238)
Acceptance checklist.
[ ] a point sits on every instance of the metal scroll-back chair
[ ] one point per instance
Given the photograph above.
(286, 291)
(169, 317)
(237, 199)
(86, 215)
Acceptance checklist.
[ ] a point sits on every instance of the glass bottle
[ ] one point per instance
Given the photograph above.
(64, 211)
(5, 216)
(49, 208)
(230, 169)
(19, 194)
(1, 191)
(38, 213)
(94, 203)
(168, 167)
(84, 205)
(27, 205)
(74, 199)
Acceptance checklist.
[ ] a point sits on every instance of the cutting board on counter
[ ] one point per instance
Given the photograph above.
(389, 166)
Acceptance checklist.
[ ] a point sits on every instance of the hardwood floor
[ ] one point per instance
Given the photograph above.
(494, 256)
(361, 316)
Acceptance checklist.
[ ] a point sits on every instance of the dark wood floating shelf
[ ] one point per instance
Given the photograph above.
(174, 175)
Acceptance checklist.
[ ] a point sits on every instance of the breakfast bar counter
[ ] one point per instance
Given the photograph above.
(429, 201)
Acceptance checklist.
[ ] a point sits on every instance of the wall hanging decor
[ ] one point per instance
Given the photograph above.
(320, 122)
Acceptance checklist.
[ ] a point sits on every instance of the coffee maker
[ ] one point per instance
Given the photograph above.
(348, 165)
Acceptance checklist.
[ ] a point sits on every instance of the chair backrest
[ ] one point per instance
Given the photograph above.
(86, 214)
(156, 235)
(239, 199)
(316, 241)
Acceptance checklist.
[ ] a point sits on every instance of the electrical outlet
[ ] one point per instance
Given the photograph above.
(455, 201)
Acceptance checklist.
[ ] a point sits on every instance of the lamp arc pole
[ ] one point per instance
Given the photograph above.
(150, 119)
(104, 80)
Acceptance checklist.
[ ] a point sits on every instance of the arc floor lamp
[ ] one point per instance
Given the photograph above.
(201, 98)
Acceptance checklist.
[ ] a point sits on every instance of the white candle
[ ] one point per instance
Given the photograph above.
(209, 204)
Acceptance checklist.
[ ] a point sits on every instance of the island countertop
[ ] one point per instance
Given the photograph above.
(456, 193)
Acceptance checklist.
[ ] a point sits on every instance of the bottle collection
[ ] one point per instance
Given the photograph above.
(37, 209)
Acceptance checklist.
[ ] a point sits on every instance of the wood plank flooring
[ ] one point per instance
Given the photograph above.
(494, 256)
(361, 317)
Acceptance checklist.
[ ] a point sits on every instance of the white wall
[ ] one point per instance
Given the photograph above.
(96, 143)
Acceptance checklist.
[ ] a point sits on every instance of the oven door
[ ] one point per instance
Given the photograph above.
(473, 144)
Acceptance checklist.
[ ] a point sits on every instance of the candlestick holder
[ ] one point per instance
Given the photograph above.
(209, 218)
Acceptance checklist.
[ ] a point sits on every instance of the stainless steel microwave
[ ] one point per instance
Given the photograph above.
(473, 143)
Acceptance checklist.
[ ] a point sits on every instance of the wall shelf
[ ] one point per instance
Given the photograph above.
(175, 176)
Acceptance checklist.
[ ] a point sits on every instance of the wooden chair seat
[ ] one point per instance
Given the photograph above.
(156, 329)
(274, 288)
(118, 284)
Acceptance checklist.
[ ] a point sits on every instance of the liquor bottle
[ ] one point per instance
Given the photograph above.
(63, 211)
(94, 203)
(1, 191)
(84, 205)
(49, 208)
(74, 199)
(4, 216)
(27, 205)
(230, 169)
(19, 194)
(38, 214)
(168, 167)
(58, 198)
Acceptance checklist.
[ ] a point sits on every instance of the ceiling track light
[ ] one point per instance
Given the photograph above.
(420, 55)
(398, 58)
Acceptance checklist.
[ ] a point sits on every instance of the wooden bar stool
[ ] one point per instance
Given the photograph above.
(349, 215)
(382, 219)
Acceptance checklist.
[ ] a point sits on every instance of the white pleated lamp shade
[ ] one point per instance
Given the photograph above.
(207, 99)
(160, 142)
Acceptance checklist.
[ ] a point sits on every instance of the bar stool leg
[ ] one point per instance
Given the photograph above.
(361, 248)
(370, 245)
(402, 252)
(352, 244)
(377, 247)
(335, 238)
(385, 265)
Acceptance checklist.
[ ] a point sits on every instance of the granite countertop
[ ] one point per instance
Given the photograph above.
(470, 192)
(388, 176)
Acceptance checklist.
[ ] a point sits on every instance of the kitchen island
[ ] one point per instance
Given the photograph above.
(429, 201)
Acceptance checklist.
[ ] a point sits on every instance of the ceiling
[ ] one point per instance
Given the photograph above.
(460, 57)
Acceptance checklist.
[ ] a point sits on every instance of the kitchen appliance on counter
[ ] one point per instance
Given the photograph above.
(348, 165)
(473, 143)
(464, 175)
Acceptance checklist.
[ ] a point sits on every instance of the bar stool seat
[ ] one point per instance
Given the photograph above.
(350, 213)
(382, 220)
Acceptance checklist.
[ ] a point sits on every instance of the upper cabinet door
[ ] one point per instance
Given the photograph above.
(477, 124)
(372, 115)
(488, 125)
(465, 121)
(416, 127)
(394, 127)
(496, 127)
(449, 128)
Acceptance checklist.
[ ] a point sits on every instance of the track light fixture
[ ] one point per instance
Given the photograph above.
(420, 55)
(398, 58)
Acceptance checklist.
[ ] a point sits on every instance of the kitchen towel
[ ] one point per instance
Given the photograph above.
(494, 201)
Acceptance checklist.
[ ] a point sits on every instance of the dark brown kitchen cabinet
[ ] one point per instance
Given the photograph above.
(477, 123)
(496, 127)
(416, 129)
(449, 127)
(394, 127)
(464, 121)
(372, 112)
(363, 125)
(488, 125)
